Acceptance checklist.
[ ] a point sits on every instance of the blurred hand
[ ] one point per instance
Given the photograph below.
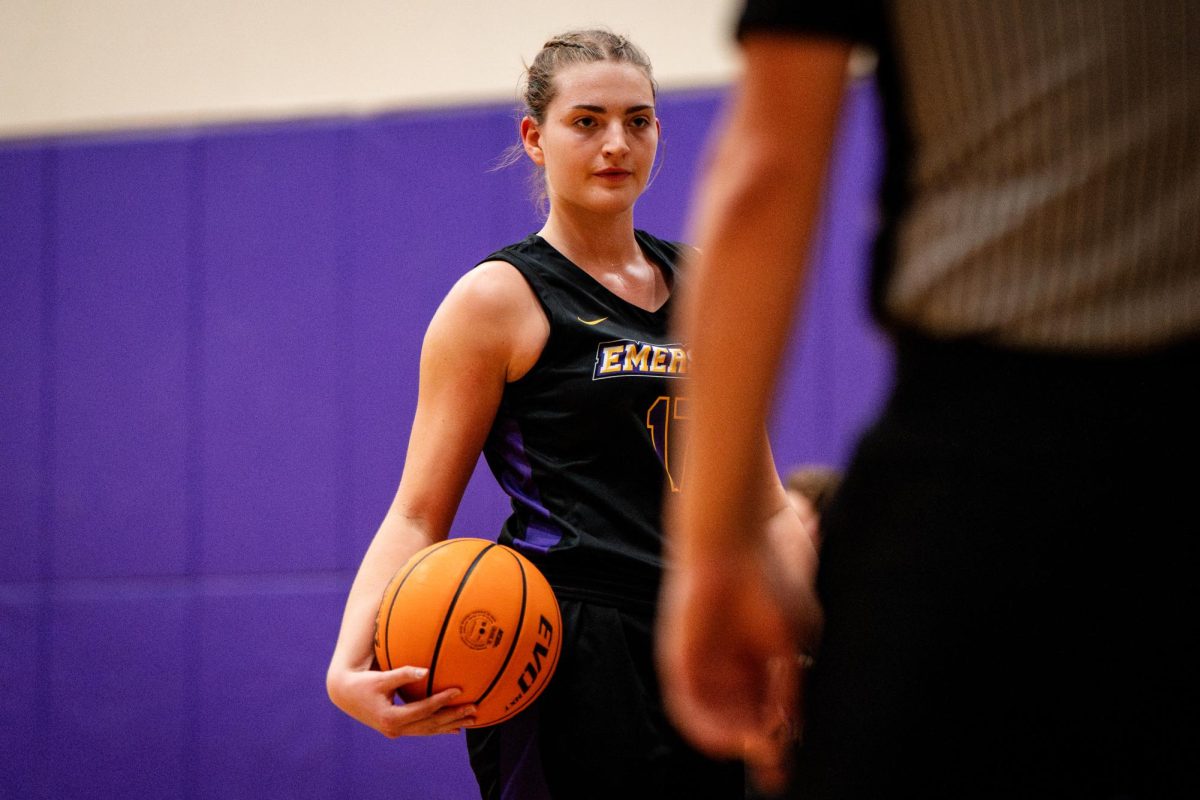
(367, 695)
(727, 642)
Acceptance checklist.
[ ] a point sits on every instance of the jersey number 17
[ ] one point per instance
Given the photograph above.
(663, 420)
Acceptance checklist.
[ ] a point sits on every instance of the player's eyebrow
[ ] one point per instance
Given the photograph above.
(602, 109)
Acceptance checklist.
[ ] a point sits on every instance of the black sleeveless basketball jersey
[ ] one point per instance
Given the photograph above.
(583, 442)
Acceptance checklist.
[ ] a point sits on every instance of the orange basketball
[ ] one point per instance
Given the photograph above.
(481, 617)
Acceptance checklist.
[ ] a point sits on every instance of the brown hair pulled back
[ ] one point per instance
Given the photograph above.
(576, 47)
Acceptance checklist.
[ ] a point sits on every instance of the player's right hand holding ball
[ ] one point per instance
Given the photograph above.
(369, 697)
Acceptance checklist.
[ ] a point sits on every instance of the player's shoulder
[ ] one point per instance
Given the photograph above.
(491, 288)
(491, 311)
(490, 314)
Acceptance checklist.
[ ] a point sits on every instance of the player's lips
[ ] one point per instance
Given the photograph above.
(612, 172)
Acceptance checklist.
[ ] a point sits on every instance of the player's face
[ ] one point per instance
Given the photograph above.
(599, 137)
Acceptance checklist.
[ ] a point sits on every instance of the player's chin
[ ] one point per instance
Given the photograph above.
(614, 200)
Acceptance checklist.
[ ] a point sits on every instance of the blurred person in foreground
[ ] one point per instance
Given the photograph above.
(999, 618)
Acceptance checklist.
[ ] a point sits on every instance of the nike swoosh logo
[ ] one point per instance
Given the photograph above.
(591, 321)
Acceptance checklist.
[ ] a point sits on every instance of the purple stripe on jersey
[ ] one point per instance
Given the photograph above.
(505, 452)
(540, 536)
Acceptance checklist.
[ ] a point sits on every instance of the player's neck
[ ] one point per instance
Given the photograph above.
(594, 242)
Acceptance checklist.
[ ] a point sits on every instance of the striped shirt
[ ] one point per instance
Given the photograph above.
(1043, 187)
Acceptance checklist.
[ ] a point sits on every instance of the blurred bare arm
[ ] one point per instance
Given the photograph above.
(728, 613)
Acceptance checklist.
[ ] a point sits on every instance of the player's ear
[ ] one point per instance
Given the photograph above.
(531, 138)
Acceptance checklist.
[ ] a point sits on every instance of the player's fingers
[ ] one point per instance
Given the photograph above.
(448, 720)
(452, 719)
(416, 719)
(422, 718)
(430, 705)
(402, 676)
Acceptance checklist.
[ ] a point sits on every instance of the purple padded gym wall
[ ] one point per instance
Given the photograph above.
(208, 353)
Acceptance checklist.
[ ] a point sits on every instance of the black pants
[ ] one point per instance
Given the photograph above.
(1007, 576)
(599, 730)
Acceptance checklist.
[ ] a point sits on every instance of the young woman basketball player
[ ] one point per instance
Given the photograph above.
(553, 358)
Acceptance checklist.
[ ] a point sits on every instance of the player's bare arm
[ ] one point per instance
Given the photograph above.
(485, 333)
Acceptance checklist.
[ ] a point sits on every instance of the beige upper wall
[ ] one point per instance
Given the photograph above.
(77, 65)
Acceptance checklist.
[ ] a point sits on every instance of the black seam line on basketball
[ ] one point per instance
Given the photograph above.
(387, 640)
(437, 648)
(536, 691)
(512, 644)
